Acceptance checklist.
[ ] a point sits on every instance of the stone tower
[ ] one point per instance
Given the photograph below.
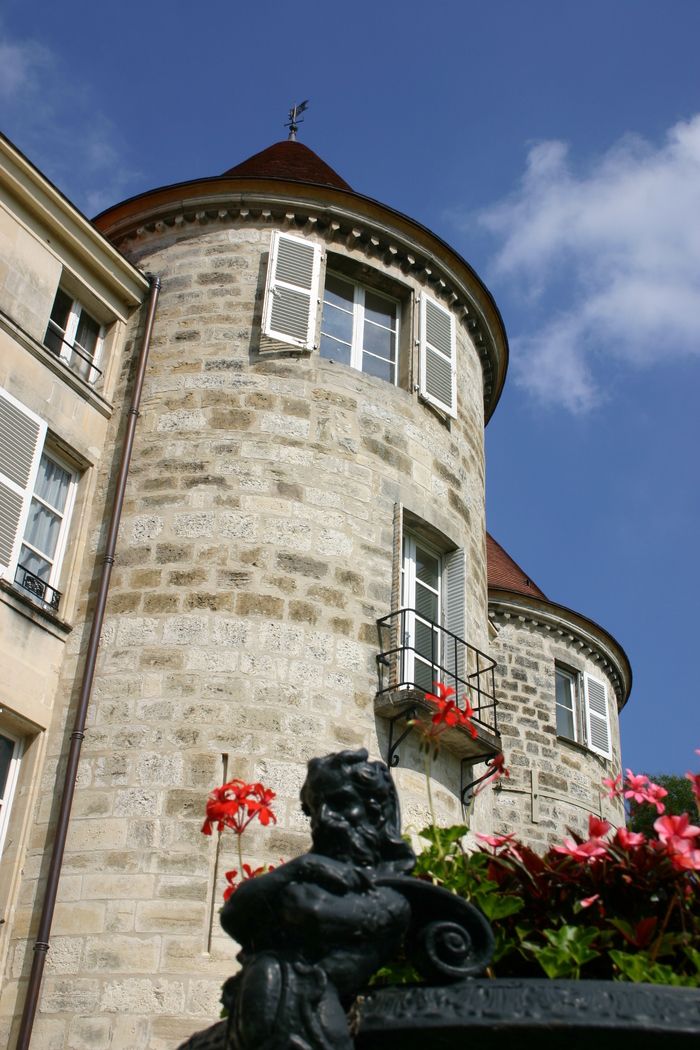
(302, 553)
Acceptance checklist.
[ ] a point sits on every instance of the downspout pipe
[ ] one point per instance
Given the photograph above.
(41, 945)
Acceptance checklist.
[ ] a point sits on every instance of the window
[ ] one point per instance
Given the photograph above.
(10, 754)
(359, 327)
(567, 703)
(74, 336)
(37, 490)
(361, 312)
(582, 710)
(432, 597)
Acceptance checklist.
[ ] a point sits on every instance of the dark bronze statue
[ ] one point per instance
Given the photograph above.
(314, 931)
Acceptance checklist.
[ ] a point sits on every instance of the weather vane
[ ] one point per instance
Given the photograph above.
(294, 122)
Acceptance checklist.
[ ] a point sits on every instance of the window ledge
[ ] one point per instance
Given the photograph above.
(581, 748)
(57, 366)
(25, 605)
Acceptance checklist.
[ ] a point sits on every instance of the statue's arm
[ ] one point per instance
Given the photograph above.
(311, 881)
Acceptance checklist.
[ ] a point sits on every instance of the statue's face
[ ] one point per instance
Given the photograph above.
(343, 824)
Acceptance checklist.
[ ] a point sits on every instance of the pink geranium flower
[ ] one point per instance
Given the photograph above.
(587, 901)
(496, 840)
(591, 850)
(629, 839)
(654, 794)
(677, 829)
(694, 779)
(614, 786)
(686, 861)
(636, 786)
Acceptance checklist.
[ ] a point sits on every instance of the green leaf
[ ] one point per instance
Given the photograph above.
(694, 956)
(444, 837)
(639, 967)
(495, 906)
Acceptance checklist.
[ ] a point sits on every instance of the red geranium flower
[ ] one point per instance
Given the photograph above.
(448, 715)
(248, 873)
(235, 804)
(597, 828)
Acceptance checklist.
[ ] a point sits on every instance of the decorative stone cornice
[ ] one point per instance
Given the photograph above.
(339, 218)
(572, 629)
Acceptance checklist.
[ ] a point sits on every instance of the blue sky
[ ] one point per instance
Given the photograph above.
(556, 146)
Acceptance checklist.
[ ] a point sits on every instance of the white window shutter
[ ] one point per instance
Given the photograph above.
(454, 618)
(21, 441)
(597, 715)
(438, 356)
(291, 295)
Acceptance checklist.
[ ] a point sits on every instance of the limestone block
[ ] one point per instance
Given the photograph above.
(122, 954)
(79, 918)
(88, 1033)
(170, 916)
(69, 995)
(142, 996)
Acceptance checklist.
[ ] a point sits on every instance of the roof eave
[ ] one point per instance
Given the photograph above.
(131, 213)
(551, 614)
(41, 198)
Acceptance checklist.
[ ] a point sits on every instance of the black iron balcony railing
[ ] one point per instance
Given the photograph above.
(39, 588)
(415, 653)
(84, 366)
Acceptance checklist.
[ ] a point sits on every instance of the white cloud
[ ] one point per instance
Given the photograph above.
(609, 259)
(47, 114)
(19, 64)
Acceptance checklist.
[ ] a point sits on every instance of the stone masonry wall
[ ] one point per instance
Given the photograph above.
(568, 776)
(255, 555)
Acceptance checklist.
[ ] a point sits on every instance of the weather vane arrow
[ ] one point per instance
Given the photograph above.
(294, 122)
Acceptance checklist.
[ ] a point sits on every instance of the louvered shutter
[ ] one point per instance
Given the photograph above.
(597, 715)
(454, 576)
(21, 441)
(438, 374)
(291, 296)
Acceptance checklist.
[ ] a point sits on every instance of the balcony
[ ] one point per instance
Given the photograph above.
(78, 358)
(414, 654)
(38, 588)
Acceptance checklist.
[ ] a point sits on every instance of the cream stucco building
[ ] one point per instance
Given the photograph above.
(302, 552)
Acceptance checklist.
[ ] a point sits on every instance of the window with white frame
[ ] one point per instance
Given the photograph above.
(362, 311)
(433, 621)
(75, 336)
(567, 703)
(360, 327)
(10, 755)
(37, 492)
(582, 711)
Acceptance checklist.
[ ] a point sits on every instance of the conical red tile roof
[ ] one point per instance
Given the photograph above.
(504, 574)
(289, 160)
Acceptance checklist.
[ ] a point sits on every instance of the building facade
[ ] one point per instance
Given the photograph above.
(302, 553)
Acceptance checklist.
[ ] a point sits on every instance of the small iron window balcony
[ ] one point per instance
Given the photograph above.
(37, 587)
(75, 336)
(415, 653)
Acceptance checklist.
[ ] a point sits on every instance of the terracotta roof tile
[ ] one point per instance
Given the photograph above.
(504, 574)
(289, 160)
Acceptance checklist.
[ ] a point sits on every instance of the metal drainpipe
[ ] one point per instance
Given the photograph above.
(41, 945)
